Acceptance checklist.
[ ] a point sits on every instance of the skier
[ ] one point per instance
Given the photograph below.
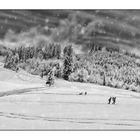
(109, 100)
(114, 100)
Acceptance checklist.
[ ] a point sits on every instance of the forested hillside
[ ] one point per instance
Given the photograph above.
(95, 46)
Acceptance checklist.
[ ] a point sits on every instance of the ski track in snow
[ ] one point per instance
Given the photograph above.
(72, 120)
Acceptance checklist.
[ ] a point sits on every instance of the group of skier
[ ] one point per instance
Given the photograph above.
(113, 99)
(81, 93)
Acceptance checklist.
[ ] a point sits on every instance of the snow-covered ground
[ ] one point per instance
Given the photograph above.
(33, 106)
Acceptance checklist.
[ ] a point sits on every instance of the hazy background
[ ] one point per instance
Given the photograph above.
(109, 28)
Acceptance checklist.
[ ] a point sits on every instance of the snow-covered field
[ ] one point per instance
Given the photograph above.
(33, 106)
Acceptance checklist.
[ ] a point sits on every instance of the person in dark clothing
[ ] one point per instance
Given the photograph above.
(80, 93)
(85, 93)
(109, 100)
(114, 100)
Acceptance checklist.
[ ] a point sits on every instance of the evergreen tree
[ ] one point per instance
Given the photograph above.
(58, 53)
(50, 78)
(11, 61)
(68, 62)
